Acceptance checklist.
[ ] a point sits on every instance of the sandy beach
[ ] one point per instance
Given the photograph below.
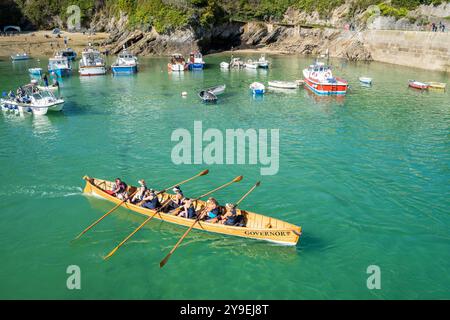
(45, 43)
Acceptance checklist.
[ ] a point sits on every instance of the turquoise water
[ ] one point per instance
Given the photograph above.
(367, 177)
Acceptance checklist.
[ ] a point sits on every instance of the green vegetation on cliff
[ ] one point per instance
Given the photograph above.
(166, 15)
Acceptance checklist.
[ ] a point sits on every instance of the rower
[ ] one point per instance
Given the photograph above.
(177, 200)
(188, 209)
(212, 210)
(139, 195)
(120, 189)
(231, 218)
(150, 200)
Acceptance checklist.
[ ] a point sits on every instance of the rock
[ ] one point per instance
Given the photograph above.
(357, 52)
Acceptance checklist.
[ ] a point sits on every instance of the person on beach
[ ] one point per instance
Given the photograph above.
(150, 200)
(119, 189)
(188, 210)
(139, 195)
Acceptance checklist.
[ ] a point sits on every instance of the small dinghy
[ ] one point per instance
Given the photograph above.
(437, 85)
(210, 94)
(217, 89)
(250, 64)
(207, 96)
(283, 84)
(224, 65)
(418, 85)
(257, 88)
(365, 80)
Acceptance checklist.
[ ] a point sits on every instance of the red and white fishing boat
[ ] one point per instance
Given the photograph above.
(418, 85)
(319, 79)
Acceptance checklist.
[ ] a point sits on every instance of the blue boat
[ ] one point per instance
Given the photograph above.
(59, 65)
(196, 61)
(257, 88)
(126, 63)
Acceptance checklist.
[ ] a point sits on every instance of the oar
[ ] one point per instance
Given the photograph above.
(249, 191)
(106, 214)
(204, 172)
(164, 261)
(159, 210)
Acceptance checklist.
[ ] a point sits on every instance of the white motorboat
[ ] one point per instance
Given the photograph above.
(263, 62)
(91, 63)
(224, 65)
(20, 57)
(236, 63)
(283, 84)
(177, 63)
(30, 99)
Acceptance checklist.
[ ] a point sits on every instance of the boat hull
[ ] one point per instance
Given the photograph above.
(326, 88)
(288, 234)
(196, 66)
(61, 72)
(124, 69)
(92, 71)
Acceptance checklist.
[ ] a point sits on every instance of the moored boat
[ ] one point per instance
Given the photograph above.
(69, 53)
(224, 65)
(365, 80)
(263, 62)
(196, 61)
(177, 63)
(207, 96)
(418, 85)
(250, 64)
(20, 57)
(236, 63)
(92, 63)
(257, 88)
(320, 80)
(32, 100)
(283, 84)
(126, 63)
(217, 89)
(256, 226)
(59, 65)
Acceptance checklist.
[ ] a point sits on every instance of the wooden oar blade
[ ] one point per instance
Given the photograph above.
(204, 172)
(237, 179)
(257, 184)
(111, 253)
(164, 261)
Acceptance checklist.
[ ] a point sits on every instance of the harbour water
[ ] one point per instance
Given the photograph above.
(366, 176)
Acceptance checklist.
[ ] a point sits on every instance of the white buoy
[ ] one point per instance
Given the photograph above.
(184, 94)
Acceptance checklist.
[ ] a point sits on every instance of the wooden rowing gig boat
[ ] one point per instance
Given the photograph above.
(257, 226)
